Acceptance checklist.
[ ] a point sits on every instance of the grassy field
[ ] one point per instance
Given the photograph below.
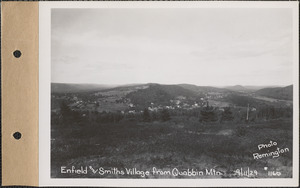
(181, 143)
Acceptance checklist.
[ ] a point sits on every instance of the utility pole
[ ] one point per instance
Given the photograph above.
(247, 113)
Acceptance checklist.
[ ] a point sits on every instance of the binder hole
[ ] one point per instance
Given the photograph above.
(17, 53)
(17, 135)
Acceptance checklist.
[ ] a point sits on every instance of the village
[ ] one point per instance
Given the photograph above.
(103, 102)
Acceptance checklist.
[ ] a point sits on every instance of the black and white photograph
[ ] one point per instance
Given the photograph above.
(172, 93)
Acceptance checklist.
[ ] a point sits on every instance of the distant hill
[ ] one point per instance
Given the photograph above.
(159, 94)
(127, 87)
(238, 88)
(255, 88)
(74, 88)
(240, 100)
(283, 93)
(176, 90)
(203, 89)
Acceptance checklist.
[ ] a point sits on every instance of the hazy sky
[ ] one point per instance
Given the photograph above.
(172, 46)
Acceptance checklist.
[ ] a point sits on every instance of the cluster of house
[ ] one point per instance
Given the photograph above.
(77, 105)
(179, 102)
(215, 95)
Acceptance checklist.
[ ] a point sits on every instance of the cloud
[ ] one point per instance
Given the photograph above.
(200, 46)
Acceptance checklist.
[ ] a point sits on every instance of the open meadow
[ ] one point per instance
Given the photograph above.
(178, 143)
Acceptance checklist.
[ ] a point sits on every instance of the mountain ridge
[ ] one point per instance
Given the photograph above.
(283, 93)
(71, 87)
(188, 89)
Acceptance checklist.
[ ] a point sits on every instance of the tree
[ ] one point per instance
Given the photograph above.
(208, 114)
(165, 115)
(227, 115)
(155, 116)
(97, 105)
(146, 115)
(66, 112)
(64, 109)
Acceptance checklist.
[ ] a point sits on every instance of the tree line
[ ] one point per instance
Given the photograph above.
(67, 116)
(205, 114)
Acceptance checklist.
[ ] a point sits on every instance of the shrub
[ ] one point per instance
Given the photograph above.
(165, 116)
(240, 131)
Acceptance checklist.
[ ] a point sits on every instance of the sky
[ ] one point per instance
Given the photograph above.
(201, 46)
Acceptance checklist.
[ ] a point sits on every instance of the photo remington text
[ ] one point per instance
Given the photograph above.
(272, 150)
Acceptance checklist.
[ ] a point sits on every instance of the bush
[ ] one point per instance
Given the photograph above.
(208, 114)
(227, 115)
(146, 115)
(240, 131)
(165, 116)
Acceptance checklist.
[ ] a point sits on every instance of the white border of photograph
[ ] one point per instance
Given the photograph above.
(44, 97)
